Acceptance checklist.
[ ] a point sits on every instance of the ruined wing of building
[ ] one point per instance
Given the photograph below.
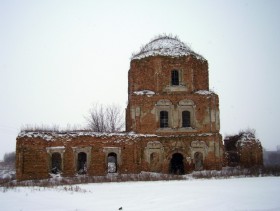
(172, 124)
(243, 149)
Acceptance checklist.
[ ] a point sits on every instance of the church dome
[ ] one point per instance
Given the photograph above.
(164, 45)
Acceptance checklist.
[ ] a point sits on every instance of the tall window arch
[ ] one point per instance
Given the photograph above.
(175, 77)
(56, 163)
(112, 162)
(186, 119)
(82, 163)
(163, 119)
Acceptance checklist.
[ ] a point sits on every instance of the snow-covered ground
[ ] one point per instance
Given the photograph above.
(259, 193)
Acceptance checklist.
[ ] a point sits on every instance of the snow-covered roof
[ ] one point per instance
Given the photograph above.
(164, 45)
(53, 135)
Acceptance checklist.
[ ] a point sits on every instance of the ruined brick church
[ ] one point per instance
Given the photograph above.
(172, 124)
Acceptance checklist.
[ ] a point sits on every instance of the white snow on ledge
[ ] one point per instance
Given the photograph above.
(144, 92)
(57, 147)
(204, 92)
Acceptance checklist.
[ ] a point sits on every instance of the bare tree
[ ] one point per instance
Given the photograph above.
(10, 157)
(105, 118)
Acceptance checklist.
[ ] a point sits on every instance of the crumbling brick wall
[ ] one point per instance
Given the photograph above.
(243, 149)
(134, 152)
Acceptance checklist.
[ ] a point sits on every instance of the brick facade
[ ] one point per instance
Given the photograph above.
(172, 124)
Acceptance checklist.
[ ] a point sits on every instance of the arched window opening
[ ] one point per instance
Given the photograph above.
(175, 77)
(186, 119)
(163, 119)
(82, 163)
(177, 164)
(56, 163)
(198, 161)
(112, 162)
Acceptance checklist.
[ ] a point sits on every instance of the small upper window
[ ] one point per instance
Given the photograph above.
(175, 77)
(186, 119)
(163, 119)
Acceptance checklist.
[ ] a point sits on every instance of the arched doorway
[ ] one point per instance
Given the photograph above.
(112, 162)
(82, 163)
(56, 163)
(177, 164)
(198, 161)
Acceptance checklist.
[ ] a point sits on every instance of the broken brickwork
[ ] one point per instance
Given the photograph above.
(243, 149)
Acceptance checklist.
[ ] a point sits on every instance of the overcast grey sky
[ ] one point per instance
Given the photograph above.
(59, 57)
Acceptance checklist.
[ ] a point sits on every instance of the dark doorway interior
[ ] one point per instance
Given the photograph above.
(177, 164)
(82, 163)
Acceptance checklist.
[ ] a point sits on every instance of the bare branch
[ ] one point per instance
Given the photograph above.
(105, 118)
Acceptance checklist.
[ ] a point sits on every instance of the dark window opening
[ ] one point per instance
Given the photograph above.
(177, 164)
(163, 119)
(112, 163)
(82, 163)
(186, 119)
(198, 161)
(175, 77)
(56, 163)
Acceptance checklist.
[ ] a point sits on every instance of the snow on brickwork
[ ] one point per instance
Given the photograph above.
(165, 46)
(144, 92)
(248, 138)
(204, 92)
(52, 136)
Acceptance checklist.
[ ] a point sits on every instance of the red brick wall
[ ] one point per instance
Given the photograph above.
(154, 73)
(33, 160)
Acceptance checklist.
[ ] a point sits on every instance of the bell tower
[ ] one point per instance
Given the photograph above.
(168, 91)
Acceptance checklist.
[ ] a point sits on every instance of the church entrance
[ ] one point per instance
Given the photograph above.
(177, 164)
